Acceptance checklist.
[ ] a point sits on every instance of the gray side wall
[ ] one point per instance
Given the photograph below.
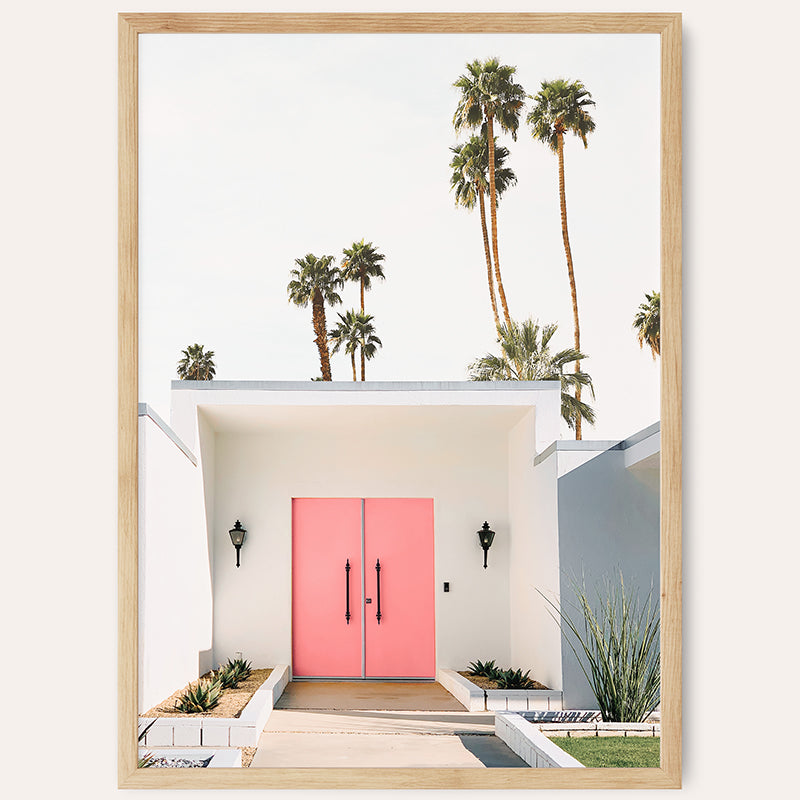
(608, 519)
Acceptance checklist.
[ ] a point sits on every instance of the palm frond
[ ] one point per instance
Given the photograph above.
(525, 356)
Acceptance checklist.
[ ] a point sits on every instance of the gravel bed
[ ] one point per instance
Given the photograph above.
(172, 762)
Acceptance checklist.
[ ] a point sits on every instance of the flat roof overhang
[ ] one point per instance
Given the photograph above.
(263, 406)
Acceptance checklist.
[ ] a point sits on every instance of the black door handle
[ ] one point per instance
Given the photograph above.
(347, 591)
(378, 576)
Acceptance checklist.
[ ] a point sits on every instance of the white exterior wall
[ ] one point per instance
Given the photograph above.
(533, 503)
(174, 573)
(258, 475)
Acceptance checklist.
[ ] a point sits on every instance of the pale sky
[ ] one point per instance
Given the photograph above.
(258, 149)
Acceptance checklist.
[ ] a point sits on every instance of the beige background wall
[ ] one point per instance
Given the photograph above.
(58, 326)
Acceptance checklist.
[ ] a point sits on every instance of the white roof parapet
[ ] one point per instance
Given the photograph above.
(637, 446)
(368, 386)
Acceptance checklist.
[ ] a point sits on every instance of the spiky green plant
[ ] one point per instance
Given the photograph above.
(201, 696)
(616, 643)
(234, 672)
(148, 759)
(227, 676)
(483, 669)
(513, 679)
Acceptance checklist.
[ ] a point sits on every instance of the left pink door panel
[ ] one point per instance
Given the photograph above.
(325, 534)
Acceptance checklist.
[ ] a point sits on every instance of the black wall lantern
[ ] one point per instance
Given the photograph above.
(486, 537)
(237, 533)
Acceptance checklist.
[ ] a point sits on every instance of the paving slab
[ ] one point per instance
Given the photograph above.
(368, 696)
(334, 721)
(382, 751)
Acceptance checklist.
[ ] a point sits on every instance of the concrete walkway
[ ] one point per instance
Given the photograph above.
(380, 725)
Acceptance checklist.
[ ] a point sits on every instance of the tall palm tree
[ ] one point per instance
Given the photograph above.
(470, 165)
(525, 356)
(196, 364)
(488, 93)
(362, 263)
(647, 323)
(353, 332)
(316, 280)
(559, 108)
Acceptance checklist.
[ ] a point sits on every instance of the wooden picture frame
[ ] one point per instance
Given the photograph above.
(668, 27)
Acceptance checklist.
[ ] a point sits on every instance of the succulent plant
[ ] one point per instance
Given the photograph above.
(513, 679)
(485, 669)
(234, 672)
(202, 696)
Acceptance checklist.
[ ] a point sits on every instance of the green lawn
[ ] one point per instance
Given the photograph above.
(612, 751)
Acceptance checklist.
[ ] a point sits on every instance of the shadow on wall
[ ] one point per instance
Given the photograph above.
(608, 519)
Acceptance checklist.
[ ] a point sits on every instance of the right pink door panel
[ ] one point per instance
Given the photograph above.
(399, 535)
(326, 534)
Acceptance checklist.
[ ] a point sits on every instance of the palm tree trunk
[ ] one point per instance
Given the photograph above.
(321, 338)
(362, 291)
(353, 362)
(363, 364)
(493, 214)
(568, 251)
(488, 256)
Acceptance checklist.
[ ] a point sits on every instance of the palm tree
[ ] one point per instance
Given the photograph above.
(560, 107)
(488, 93)
(353, 332)
(470, 164)
(647, 323)
(526, 356)
(362, 263)
(196, 364)
(317, 281)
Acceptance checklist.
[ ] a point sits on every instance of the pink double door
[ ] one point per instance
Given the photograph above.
(362, 588)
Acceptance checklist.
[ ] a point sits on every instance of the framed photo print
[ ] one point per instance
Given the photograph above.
(400, 401)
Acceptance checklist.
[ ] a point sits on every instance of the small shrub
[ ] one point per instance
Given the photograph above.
(513, 679)
(487, 669)
(203, 696)
(616, 642)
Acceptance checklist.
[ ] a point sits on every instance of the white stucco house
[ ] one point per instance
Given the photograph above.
(362, 503)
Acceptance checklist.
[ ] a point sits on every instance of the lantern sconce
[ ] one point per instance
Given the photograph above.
(237, 534)
(486, 537)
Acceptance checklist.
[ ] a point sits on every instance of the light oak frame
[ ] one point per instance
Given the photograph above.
(668, 26)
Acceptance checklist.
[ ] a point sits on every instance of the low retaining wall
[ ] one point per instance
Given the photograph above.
(476, 699)
(241, 731)
(472, 697)
(530, 744)
(523, 700)
(528, 734)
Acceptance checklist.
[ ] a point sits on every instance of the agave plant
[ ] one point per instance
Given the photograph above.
(233, 673)
(202, 696)
(616, 642)
(513, 679)
(483, 669)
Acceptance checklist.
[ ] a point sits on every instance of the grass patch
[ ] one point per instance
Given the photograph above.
(612, 751)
